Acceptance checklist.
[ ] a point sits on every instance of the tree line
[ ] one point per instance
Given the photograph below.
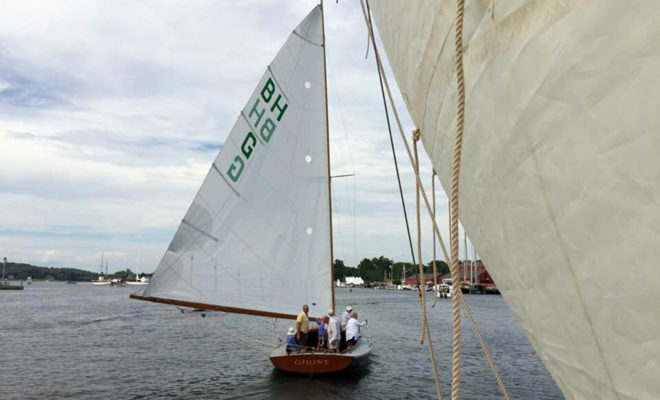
(381, 269)
(21, 271)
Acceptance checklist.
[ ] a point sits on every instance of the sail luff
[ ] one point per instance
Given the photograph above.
(327, 132)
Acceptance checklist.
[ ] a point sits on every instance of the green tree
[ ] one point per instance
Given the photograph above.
(342, 271)
(440, 266)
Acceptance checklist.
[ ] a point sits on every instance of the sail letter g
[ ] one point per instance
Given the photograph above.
(248, 144)
(236, 169)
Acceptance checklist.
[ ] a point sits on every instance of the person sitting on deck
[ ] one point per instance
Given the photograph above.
(323, 333)
(353, 330)
(346, 316)
(302, 327)
(334, 332)
(291, 345)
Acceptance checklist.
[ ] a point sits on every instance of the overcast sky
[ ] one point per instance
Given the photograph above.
(111, 113)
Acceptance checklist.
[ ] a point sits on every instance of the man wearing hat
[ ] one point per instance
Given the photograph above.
(291, 345)
(346, 316)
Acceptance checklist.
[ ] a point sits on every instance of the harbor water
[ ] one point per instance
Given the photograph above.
(82, 341)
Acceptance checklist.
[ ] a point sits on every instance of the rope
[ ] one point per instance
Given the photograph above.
(456, 164)
(484, 347)
(425, 325)
(454, 270)
(435, 269)
(389, 129)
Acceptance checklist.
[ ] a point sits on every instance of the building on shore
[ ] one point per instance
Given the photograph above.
(472, 273)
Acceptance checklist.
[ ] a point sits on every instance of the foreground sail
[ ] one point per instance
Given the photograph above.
(256, 238)
(560, 180)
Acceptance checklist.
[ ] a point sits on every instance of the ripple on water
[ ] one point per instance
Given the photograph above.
(89, 342)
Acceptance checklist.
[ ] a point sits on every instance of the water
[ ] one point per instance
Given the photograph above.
(92, 342)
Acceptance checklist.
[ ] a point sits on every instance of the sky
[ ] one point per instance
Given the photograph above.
(111, 113)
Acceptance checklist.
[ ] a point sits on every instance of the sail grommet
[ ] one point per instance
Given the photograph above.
(309, 230)
(308, 159)
(307, 85)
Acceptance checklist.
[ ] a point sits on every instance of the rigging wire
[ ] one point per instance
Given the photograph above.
(389, 129)
(422, 297)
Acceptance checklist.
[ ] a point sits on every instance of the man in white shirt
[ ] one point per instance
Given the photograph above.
(346, 315)
(334, 332)
(353, 330)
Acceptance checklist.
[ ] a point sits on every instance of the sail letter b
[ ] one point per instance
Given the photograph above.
(267, 129)
(248, 143)
(236, 169)
(268, 90)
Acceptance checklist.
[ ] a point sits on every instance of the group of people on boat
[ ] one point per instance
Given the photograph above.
(329, 332)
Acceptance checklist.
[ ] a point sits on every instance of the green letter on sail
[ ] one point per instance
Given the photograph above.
(232, 171)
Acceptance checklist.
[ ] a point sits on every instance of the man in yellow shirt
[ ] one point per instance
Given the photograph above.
(302, 327)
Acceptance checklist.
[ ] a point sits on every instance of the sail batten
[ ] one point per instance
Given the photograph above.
(256, 238)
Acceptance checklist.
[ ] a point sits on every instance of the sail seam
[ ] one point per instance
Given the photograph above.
(569, 267)
(183, 221)
(277, 83)
(215, 167)
(307, 40)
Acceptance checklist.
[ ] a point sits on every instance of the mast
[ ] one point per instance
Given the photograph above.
(327, 135)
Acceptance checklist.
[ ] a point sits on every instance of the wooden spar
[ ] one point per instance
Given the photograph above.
(327, 135)
(214, 307)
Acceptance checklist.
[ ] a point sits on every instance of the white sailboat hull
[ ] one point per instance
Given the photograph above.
(133, 283)
(560, 178)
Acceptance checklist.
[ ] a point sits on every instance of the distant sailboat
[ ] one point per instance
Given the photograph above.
(257, 238)
(138, 281)
(101, 280)
(4, 283)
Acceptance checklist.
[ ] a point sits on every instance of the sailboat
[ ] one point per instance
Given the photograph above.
(138, 281)
(101, 280)
(560, 187)
(257, 238)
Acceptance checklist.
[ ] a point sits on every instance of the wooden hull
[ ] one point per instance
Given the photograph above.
(321, 363)
(10, 287)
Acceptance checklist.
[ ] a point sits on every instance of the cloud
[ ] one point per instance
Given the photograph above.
(111, 113)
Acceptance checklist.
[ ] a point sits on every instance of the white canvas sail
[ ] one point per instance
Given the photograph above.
(560, 180)
(256, 238)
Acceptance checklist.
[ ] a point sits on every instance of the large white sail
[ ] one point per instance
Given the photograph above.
(560, 179)
(256, 238)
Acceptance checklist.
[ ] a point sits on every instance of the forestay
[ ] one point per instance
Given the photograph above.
(256, 237)
(560, 178)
